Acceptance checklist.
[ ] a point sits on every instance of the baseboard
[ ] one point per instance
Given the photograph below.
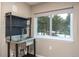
(39, 55)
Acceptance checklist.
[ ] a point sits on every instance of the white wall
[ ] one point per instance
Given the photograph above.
(59, 48)
(19, 9)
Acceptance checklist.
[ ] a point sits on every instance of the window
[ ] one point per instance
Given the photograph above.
(57, 25)
(61, 25)
(43, 25)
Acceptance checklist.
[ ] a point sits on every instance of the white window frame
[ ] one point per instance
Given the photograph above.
(49, 36)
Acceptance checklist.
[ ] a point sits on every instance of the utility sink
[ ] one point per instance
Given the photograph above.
(28, 39)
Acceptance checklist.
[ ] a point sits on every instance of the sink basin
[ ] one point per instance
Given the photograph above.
(22, 41)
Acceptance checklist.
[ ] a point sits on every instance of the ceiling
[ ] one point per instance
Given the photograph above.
(33, 3)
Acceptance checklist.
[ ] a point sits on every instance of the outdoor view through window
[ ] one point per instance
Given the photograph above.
(43, 25)
(60, 25)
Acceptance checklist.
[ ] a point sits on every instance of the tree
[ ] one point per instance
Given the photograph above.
(43, 24)
(66, 26)
(67, 22)
(61, 25)
(56, 24)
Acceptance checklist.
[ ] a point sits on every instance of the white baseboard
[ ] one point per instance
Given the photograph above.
(39, 55)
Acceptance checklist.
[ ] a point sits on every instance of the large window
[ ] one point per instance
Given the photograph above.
(56, 26)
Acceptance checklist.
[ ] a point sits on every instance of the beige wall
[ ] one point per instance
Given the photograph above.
(0, 27)
(58, 47)
(19, 9)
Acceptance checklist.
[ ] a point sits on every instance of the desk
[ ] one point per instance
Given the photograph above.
(19, 42)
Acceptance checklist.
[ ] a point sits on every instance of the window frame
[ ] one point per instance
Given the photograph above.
(50, 15)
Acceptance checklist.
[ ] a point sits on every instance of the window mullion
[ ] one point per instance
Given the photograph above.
(50, 24)
(35, 26)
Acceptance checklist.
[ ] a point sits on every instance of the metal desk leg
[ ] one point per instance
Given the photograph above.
(34, 48)
(27, 50)
(8, 49)
(16, 50)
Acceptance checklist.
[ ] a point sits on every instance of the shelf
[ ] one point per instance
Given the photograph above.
(19, 26)
(8, 15)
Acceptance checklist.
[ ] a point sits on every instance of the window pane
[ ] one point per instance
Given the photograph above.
(43, 25)
(61, 25)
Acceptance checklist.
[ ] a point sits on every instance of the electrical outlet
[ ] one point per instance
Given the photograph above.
(50, 47)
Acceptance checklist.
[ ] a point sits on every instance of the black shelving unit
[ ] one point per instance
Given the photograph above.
(14, 26)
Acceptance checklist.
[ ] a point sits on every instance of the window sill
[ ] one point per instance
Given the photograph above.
(52, 37)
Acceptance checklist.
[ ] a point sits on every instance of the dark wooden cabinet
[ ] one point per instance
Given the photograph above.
(17, 26)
